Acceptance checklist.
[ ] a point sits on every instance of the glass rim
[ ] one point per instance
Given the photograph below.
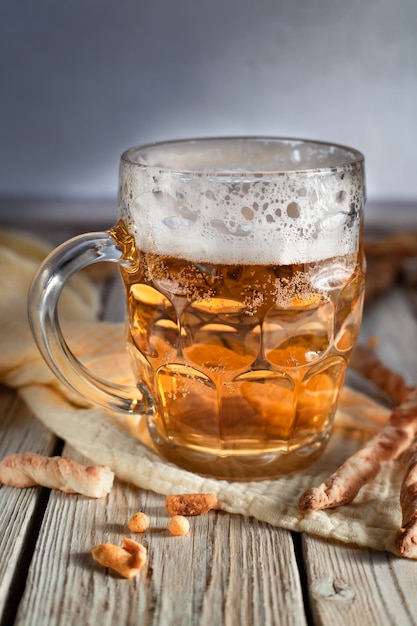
(354, 158)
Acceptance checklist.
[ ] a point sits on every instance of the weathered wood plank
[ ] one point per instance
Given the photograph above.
(353, 586)
(229, 569)
(19, 432)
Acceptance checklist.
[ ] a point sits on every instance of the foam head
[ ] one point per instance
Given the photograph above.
(243, 200)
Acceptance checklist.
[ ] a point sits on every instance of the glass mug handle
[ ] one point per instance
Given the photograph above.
(46, 288)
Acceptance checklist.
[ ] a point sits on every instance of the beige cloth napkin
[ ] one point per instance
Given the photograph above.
(370, 521)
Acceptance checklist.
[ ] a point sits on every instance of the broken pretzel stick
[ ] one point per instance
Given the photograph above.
(29, 469)
(406, 540)
(126, 561)
(363, 466)
(191, 503)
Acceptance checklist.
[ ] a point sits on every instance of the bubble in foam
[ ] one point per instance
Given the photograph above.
(217, 218)
(293, 210)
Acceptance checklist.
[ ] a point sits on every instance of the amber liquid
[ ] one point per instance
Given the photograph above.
(245, 362)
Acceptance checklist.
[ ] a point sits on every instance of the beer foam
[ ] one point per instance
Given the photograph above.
(244, 201)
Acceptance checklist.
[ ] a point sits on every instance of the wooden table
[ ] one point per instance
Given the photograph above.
(230, 570)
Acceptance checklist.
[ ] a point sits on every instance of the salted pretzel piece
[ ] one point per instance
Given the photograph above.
(126, 560)
(29, 469)
(191, 503)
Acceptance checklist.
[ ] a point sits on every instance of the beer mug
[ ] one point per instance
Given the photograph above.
(243, 267)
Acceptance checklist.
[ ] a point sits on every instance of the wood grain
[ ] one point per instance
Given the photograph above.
(358, 587)
(19, 432)
(227, 570)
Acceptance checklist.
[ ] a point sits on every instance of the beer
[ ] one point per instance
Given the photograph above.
(242, 260)
(244, 361)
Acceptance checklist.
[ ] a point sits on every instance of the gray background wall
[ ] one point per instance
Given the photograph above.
(84, 79)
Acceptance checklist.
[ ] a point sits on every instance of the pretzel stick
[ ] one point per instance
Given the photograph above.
(362, 467)
(407, 535)
(191, 504)
(365, 362)
(381, 275)
(29, 469)
(398, 246)
(386, 256)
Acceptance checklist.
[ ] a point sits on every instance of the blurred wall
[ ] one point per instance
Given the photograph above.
(82, 80)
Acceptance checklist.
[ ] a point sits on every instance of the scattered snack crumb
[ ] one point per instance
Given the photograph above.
(178, 525)
(139, 522)
(28, 469)
(191, 503)
(126, 561)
